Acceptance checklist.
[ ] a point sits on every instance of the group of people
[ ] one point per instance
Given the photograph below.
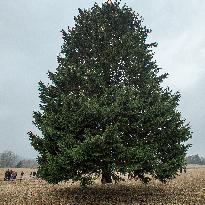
(11, 175)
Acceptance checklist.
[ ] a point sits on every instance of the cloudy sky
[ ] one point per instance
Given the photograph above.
(30, 40)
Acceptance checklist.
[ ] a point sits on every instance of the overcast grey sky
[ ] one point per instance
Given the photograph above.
(30, 41)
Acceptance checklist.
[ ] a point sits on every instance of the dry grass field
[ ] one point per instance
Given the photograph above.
(187, 188)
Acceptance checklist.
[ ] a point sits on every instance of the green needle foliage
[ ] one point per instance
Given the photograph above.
(104, 112)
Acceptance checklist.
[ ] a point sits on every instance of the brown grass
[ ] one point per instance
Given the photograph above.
(187, 188)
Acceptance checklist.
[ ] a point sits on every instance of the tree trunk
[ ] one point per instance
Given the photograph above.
(106, 176)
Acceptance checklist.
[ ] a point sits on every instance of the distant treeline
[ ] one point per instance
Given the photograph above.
(10, 159)
(195, 159)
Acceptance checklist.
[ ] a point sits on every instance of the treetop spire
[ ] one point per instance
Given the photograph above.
(109, 2)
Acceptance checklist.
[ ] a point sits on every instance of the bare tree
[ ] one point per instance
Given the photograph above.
(8, 159)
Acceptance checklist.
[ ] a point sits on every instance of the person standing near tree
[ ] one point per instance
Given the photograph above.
(14, 175)
(7, 175)
(21, 176)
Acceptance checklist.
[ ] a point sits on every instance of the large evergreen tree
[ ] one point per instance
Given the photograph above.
(104, 111)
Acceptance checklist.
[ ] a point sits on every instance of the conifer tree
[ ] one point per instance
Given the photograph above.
(105, 111)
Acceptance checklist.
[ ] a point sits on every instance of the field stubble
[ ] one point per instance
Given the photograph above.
(186, 189)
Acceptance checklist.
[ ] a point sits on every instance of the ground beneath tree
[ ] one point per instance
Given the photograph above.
(188, 188)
